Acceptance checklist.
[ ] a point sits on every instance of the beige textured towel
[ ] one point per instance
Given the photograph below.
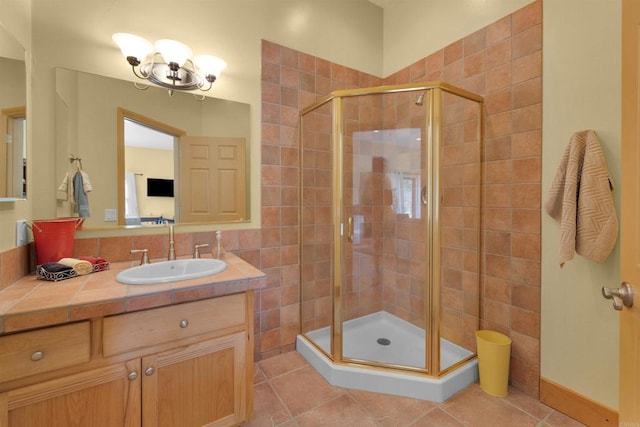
(81, 267)
(580, 200)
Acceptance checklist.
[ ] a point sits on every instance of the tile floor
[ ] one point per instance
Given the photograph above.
(288, 392)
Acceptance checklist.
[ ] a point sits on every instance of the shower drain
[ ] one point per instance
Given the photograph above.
(383, 341)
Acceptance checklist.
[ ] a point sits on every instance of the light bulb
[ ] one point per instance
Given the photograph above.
(133, 46)
(209, 65)
(173, 51)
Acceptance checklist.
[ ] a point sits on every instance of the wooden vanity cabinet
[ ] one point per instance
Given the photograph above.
(98, 397)
(184, 365)
(201, 384)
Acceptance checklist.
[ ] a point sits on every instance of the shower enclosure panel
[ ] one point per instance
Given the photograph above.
(316, 195)
(390, 226)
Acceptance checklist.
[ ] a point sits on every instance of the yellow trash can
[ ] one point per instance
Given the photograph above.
(494, 350)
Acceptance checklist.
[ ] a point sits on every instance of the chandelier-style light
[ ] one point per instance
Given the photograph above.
(167, 63)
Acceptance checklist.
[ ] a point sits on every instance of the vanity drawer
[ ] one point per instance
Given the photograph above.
(132, 331)
(29, 353)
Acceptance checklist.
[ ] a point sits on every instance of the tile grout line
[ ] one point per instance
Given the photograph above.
(286, 407)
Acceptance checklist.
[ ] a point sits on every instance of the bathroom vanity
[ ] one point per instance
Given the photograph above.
(176, 354)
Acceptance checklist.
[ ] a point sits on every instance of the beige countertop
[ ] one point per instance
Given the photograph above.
(33, 303)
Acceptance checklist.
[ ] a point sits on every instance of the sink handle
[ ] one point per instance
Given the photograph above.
(145, 255)
(196, 249)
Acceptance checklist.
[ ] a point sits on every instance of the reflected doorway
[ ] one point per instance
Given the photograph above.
(149, 174)
(146, 170)
(13, 158)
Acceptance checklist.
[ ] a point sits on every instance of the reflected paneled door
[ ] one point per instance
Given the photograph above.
(212, 179)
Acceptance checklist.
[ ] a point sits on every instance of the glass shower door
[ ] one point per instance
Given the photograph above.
(383, 289)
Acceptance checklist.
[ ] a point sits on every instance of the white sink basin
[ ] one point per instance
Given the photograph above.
(170, 271)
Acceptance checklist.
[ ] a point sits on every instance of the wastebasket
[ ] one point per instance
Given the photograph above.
(494, 350)
(54, 238)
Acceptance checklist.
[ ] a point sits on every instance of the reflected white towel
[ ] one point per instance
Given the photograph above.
(65, 189)
(130, 196)
(86, 184)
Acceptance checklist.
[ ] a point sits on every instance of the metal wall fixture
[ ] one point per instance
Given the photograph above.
(167, 63)
(623, 296)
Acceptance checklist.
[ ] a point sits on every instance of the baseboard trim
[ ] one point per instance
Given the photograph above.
(576, 406)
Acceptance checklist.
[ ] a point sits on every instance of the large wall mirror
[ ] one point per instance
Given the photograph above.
(149, 157)
(13, 114)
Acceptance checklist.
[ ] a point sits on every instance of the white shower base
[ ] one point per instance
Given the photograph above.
(406, 348)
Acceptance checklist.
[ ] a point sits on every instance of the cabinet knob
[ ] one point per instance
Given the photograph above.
(149, 371)
(38, 355)
(133, 375)
(184, 323)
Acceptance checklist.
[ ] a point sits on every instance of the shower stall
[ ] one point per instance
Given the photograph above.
(390, 238)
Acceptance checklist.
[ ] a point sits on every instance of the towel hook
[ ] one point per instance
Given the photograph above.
(75, 159)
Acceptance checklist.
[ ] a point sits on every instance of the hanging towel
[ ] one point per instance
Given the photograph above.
(130, 197)
(81, 205)
(86, 184)
(65, 190)
(580, 200)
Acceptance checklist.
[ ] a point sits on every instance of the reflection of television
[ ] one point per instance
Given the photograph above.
(157, 187)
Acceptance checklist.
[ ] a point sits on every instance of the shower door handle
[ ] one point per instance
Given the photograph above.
(350, 229)
(423, 195)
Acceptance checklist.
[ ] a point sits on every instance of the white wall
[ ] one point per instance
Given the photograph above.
(581, 90)
(151, 163)
(415, 28)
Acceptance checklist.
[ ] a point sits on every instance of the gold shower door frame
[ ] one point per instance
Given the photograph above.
(434, 92)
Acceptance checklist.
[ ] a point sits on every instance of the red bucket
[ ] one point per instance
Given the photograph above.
(54, 238)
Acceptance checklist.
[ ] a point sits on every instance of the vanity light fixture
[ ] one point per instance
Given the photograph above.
(167, 63)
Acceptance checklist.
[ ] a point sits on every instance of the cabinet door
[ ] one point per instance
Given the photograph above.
(203, 384)
(101, 397)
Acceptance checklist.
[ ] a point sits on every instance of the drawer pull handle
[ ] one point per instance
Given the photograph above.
(149, 371)
(38, 355)
(184, 324)
(133, 375)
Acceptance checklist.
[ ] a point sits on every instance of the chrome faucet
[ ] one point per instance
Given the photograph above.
(172, 250)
